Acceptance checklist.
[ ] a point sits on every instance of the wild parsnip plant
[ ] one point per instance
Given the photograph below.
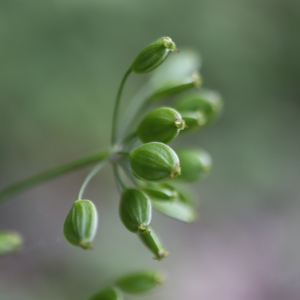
(142, 161)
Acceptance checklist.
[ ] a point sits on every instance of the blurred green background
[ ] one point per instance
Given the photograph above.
(61, 62)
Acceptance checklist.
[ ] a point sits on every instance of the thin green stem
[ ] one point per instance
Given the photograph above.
(117, 105)
(133, 107)
(94, 171)
(123, 153)
(52, 173)
(129, 141)
(127, 170)
(129, 138)
(121, 186)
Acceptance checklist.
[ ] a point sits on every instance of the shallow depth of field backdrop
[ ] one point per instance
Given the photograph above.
(60, 65)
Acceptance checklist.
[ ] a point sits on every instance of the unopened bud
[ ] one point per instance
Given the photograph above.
(161, 192)
(174, 87)
(154, 162)
(160, 125)
(193, 119)
(81, 224)
(195, 163)
(207, 101)
(135, 210)
(180, 208)
(153, 55)
(140, 282)
(153, 243)
(110, 293)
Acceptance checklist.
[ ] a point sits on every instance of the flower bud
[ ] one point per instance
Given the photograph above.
(153, 243)
(153, 55)
(174, 87)
(176, 67)
(195, 163)
(161, 192)
(110, 293)
(180, 208)
(140, 282)
(135, 210)
(81, 224)
(160, 125)
(193, 119)
(207, 101)
(10, 242)
(154, 162)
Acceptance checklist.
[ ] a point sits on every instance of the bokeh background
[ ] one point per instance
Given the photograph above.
(61, 62)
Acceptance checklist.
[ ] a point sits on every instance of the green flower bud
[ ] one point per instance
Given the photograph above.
(110, 293)
(140, 282)
(176, 67)
(154, 162)
(153, 243)
(81, 224)
(193, 119)
(180, 208)
(161, 192)
(207, 101)
(195, 163)
(10, 242)
(135, 210)
(176, 86)
(160, 125)
(153, 55)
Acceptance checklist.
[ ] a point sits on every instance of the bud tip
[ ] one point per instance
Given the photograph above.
(169, 44)
(176, 171)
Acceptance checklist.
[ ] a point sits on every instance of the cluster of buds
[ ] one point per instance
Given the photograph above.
(142, 161)
(147, 166)
(153, 162)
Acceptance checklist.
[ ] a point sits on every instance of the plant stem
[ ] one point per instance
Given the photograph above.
(116, 108)
(130, 113)
(123, 153)
(52, 173)
(121, 186)
(94, 171)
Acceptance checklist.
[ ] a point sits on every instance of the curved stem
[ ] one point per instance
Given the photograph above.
(121, 186)
(126, 168)
(52, 173)
(117, 104)
(94, 171)
(133, 107)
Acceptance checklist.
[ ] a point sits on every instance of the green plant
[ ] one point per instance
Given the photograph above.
(140, 171)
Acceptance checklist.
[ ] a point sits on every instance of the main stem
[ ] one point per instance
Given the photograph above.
(47, 175)
(117, 105)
